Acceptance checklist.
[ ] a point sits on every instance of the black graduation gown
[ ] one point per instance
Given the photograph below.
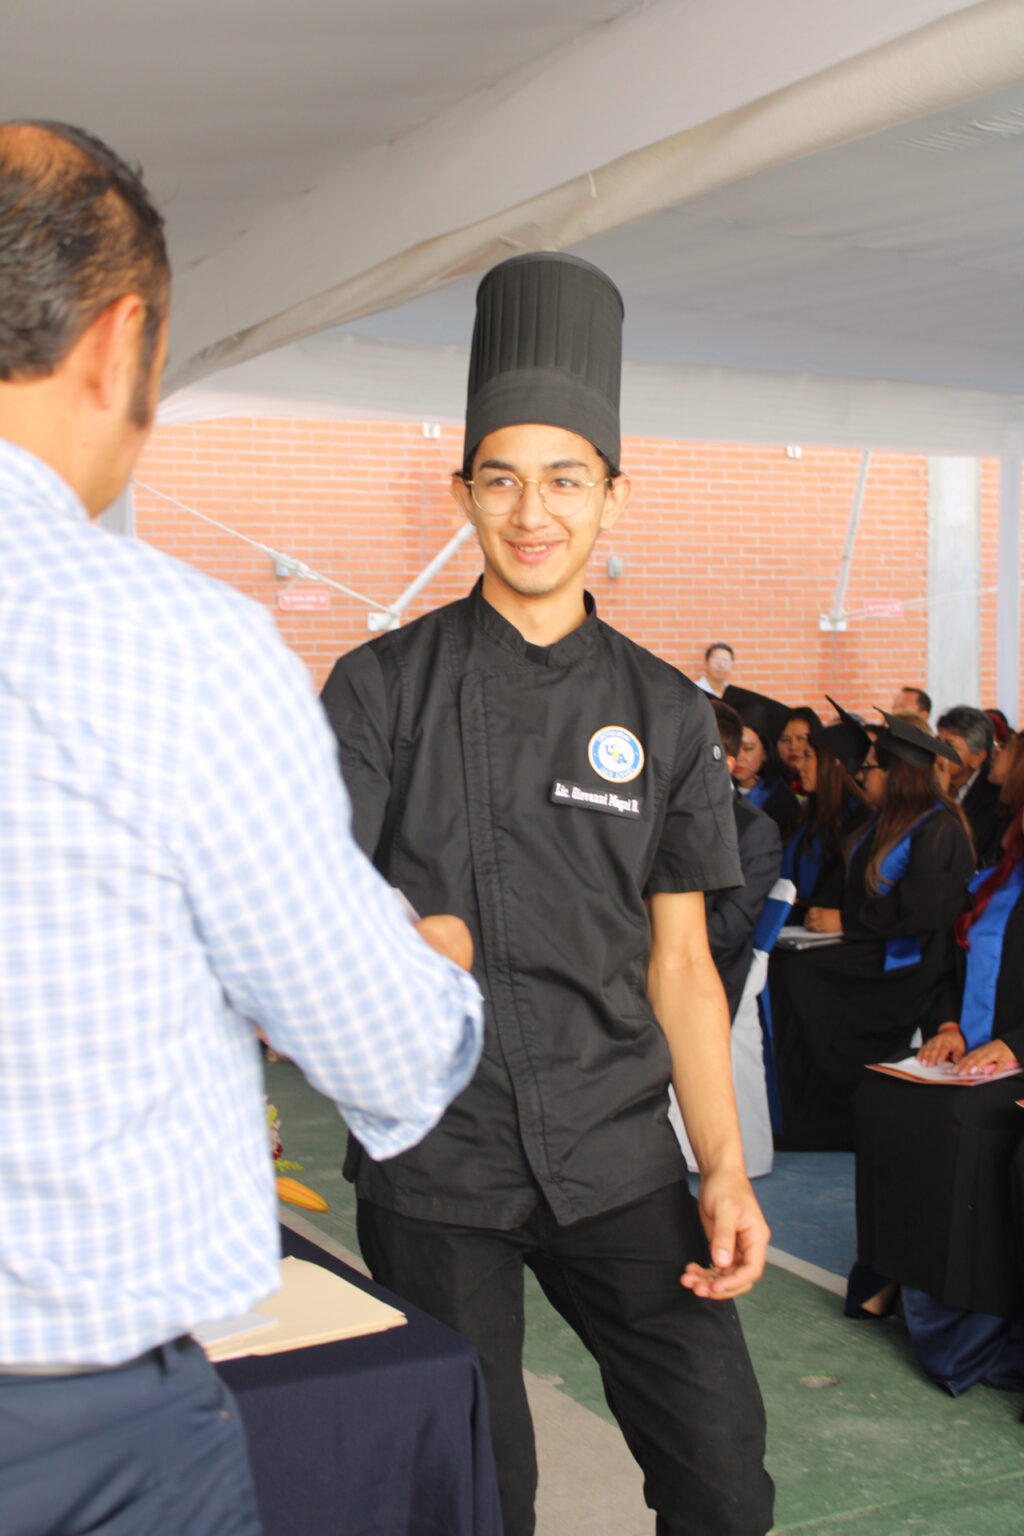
(981, 807)
(935, 1201)
(836, 1009)
(732, 915)
(469, 757)
(829, 876)
(781, 804)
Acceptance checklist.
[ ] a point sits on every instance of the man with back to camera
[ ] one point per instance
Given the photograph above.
(516, 761)
(718, 664)
(176, 861)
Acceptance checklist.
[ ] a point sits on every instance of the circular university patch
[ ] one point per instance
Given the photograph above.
(615, 754)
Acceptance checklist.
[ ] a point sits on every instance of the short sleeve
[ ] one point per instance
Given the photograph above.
(356, 703)
(697, 850)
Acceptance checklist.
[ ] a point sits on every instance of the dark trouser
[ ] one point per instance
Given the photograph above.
(675, 1369)
(153, 1448)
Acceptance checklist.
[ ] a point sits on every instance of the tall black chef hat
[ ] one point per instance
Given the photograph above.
(547, 347)
(911, 744)
(847, 740)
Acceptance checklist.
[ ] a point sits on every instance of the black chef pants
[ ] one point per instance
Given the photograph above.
(675, 1369)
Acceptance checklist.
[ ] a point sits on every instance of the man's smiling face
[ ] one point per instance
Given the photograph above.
(531, 550)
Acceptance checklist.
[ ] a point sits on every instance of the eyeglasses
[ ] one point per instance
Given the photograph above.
(497, 492)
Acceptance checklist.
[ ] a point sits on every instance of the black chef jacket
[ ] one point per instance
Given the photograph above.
(470, 759)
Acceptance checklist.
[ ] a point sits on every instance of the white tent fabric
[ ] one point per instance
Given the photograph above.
(323, 164)
(380, 231)
(813, 208)
(341, 376)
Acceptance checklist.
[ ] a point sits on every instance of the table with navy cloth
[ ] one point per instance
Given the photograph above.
(385, 1435)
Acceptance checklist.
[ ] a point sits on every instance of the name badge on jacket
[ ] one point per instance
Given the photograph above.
(565, 792)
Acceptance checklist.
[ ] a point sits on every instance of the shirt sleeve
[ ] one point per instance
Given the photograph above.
(355, 698)
(302, 933)
(697, 849)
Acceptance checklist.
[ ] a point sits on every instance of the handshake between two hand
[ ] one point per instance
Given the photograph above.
(449, 936)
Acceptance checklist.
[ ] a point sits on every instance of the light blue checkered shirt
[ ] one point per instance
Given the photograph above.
(175, 859)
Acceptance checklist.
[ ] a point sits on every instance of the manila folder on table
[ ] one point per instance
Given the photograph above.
(313, 1306)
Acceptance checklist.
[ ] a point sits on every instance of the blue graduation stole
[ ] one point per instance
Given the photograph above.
(985, 956)
(760, 792)
(801, 863)
(905, 950)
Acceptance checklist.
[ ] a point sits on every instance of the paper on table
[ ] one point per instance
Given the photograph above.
(945, 1074)
(229, 1328)
(796, 936)
(313, 1306)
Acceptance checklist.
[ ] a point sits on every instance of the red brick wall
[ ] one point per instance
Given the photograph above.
(720, 542)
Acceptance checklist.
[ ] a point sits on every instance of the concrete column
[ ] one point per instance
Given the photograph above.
(1008, 609)
(119, 517)
(954, 582)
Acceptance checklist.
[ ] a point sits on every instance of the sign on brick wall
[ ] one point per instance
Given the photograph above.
(304, 599)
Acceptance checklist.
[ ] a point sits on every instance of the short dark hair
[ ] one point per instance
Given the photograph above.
(924, 700)
(730, 727)
(77, 232)
(719, 645)
(972, 724)
(466, 472)
(804, 712)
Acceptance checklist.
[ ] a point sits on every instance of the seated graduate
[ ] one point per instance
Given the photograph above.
(987, 1034)
(935, 1180)
(732, 914)
(793, 741)
(835, 1009)
(971, 733)
(812, 857)
(1004, 771)
(759, 775)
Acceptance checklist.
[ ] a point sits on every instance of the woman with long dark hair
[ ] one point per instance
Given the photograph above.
(834, 803)
(836, 1009)
(938, 1196)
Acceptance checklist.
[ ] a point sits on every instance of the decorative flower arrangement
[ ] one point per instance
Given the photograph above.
(288, 1189)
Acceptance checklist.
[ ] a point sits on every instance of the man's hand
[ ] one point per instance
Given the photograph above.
(948, 1045)
(449, 936)
(824, 920)
(993, 1056)
(737, 1235)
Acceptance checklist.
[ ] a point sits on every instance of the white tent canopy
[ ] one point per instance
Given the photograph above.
(812, 208)
(822, 262)
(759, 179)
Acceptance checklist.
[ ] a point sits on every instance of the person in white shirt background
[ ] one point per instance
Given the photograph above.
(719, 659)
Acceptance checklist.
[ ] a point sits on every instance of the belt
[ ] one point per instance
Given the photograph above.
(159, 1355)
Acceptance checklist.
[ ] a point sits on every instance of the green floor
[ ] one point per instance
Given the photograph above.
(880, 1453)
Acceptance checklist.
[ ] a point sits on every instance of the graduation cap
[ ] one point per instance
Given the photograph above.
(848, 740)
(910, 743)
(765, 716)
(547, 347)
